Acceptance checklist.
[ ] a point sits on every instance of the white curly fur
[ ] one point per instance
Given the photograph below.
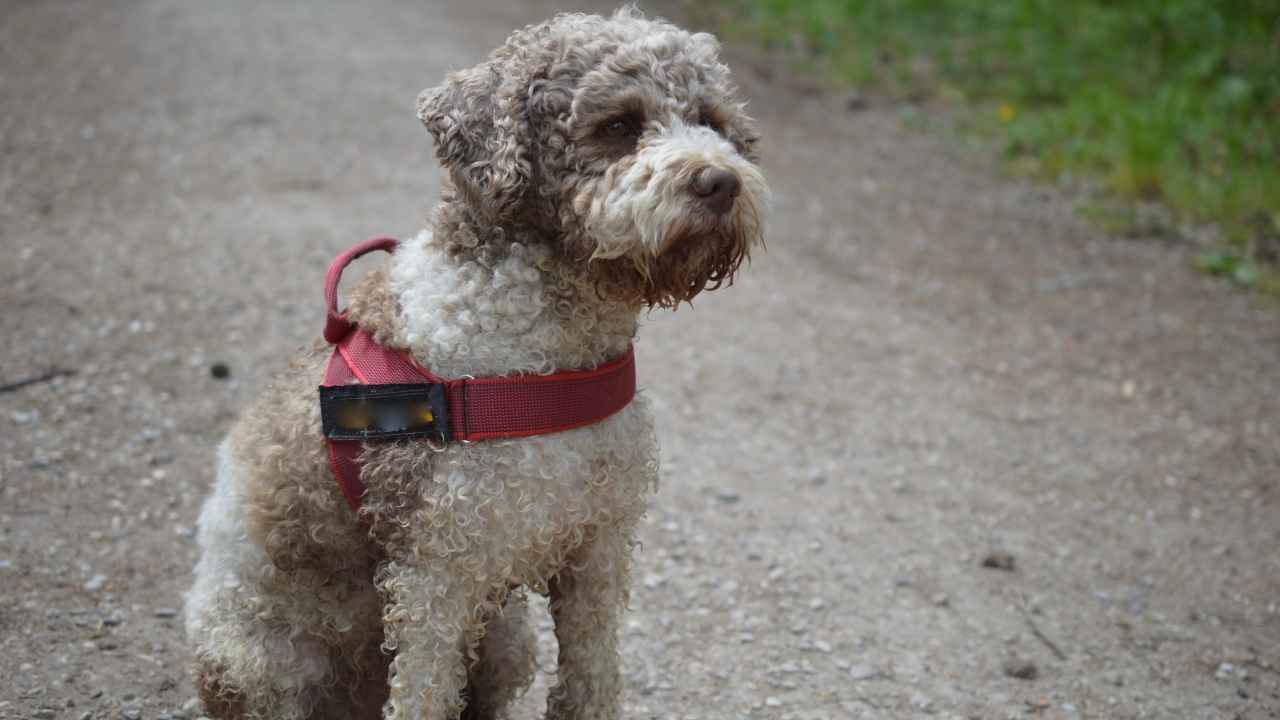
(551, 238)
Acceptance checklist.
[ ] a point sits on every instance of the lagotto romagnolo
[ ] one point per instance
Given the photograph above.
(597, 167)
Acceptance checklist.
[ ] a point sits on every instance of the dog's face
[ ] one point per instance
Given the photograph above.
(622, 138)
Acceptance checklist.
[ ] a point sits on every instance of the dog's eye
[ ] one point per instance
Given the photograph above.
(622, 127)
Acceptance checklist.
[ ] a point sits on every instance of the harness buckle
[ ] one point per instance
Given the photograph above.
(385, 412)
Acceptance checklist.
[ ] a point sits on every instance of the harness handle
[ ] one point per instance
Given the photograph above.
(336, 324)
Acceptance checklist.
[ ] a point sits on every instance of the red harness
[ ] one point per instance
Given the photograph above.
(363, 375)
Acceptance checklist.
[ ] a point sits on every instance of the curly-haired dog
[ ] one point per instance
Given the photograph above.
(597, 166)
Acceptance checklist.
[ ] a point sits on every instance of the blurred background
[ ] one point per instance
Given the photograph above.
(1168, 112)
(990, 430)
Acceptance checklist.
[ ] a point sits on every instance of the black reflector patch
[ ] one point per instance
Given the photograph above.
(384, 412)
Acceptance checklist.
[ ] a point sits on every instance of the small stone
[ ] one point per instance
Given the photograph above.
(772, 701)
(43, 714)
(856, 102)
(940, 599)
(999, 560)
(1224, 671)
(95, 583)
(131, 713)
(728, 496)
(220, 370)
(86, 715)
(822, 646)
(191, 706)
(862, 671)
(166, 612)
(1021, 668)
(922, 702)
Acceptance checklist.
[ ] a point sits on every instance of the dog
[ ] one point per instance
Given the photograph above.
(597, 167)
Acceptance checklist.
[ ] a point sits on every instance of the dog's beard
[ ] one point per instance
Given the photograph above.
(648, 239)
(703, 255)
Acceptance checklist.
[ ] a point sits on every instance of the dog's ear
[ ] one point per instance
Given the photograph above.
(477, 120)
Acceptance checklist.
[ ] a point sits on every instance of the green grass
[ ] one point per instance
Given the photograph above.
(1168, 101)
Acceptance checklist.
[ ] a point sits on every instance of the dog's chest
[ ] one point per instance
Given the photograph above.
(527, 496)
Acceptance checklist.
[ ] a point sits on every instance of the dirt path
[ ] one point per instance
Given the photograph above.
(928, 365)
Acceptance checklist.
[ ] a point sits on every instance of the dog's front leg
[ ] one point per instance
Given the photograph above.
(587, 599)
(433, 620)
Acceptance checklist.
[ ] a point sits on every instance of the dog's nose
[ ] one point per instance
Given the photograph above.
(717, 188)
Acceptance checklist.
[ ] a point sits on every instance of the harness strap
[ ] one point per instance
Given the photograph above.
(336, 324)
(478, 408)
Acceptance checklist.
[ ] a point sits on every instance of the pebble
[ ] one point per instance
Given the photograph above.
(922, 702)
(86, 715)
(220, 370)
(999, 560)
(95, 583)
(940, 599)
(131, 713)
(862, 671)
(856, 102)
(43, 714)
(772, 701)
(728, 495)
(166, 612)
(1021, 668)
(822, 646)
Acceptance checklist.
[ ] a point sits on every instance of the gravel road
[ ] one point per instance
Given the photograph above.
(945, 450)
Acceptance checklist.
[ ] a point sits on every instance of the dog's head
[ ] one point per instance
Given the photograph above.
(620, 137)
